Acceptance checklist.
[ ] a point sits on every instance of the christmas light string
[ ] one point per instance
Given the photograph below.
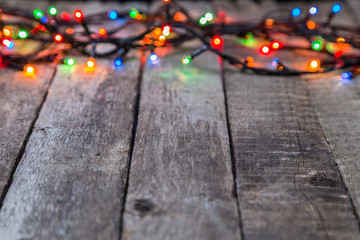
(172, 25)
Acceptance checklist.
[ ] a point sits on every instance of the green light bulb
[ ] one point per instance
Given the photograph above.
(186, 60)
(69, 61)
(22, 34)
(133, 13)
(52, 11)
(209, 16)
(38, 13)
(202, 21)
(316, 45)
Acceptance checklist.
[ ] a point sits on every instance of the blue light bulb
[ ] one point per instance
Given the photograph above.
(336, 8)
(153, 58)
(346, 76)
(296, 12)
(11, 44)
(313, 10)
(44, 19)
(112, 14)
(118, 62)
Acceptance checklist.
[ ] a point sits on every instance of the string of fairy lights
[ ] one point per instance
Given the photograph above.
(58, 34)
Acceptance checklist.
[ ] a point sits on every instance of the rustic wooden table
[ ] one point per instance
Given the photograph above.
(178, 152)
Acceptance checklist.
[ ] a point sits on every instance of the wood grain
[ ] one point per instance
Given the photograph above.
(70, 181)
(288, 183)
(20, 98)
(181, 184)
(338, 106)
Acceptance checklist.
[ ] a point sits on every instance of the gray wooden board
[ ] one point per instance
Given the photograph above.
(20, 100)
(288, 183)
(181, 183)
(70, 181)
(338, 107)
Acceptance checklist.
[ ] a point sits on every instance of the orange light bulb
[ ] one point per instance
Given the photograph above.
(90, 63)
(102, 32)
(275, 45)
(314, 65)
(7, 31)
(29, 70)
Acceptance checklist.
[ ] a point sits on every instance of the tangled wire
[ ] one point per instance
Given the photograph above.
(171, 25)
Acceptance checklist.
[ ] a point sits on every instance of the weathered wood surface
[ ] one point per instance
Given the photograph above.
(338, 107)
(20, 100)
(71, 181)
(288, 183)
(181, 184)
(289, 186)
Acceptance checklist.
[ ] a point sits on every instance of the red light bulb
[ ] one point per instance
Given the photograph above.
(217, 42)
(265, 50)
(58, 38)
(78, 15)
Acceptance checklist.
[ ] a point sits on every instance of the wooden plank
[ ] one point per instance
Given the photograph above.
(288, 183)
(338, 107)
(21, 98)
(181, 183)
(70, 182)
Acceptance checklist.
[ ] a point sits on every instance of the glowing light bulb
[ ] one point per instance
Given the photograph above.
(186, 60)
(112, 14)
(314, 65)
(52, 11)
(38, 13)
(296, 12)
(162, 38)
(316, 45)
(7, 42)
(311, 25)
(209, 16)
(203, 21)
(69, 61)
(118, 62)
(78, 15)
(102, 32)
(22, 34)
(65, 16)
(70, 31)
(153, 58)
(166, 30)
(29, 70)
(217, 42)
(275, 45)
(265, 50)
(90, 63)
(7, 31)
(336, 8)
(58, 38)
(346, 76)
(44, 19)
(313, 10)
(275, 62)
(133, 13)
